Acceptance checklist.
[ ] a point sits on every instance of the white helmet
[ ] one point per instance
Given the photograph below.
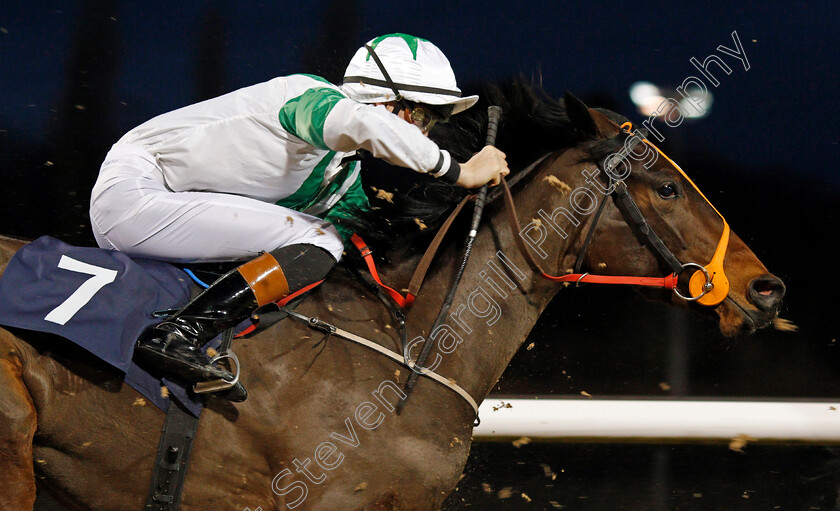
(416, 68)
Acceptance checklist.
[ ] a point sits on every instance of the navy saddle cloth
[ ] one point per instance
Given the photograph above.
(100, 300)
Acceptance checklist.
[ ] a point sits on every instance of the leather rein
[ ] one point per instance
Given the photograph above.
(701, 282)
(701, 287)
(624, 201)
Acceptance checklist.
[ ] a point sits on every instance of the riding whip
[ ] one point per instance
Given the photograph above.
(494, 113)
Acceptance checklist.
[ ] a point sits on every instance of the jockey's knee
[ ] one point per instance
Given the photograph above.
(303, 263)
(323, 235)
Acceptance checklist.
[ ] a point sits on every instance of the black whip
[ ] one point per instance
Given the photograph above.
(494, 113)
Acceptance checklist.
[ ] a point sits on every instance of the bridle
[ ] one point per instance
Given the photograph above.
(702, 286)
(708, 284)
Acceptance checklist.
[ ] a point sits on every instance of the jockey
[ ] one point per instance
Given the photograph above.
(257, 176)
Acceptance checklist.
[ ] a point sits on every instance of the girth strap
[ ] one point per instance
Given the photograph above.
(173, 455)
(329, 329)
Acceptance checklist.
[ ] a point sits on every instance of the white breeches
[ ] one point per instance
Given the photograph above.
(132, 211)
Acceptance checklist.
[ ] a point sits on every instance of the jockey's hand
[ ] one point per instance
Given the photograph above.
(486, 166)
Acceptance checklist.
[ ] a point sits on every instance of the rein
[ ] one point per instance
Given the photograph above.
(701, 287)
(669, 282)
(425, 263)
(423, 266)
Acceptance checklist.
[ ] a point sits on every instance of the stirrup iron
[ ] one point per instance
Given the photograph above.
(206, 387)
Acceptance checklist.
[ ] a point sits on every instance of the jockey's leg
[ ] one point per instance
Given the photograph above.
(133, 211)
(174, 346)
(17, 427)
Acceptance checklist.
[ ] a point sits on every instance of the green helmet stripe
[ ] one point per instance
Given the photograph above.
(410, 40)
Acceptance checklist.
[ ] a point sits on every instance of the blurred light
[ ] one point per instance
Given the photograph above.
(696, 106)
(649, 98)
(641, 92)
(651, 104)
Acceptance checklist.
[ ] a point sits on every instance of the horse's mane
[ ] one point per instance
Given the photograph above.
(408, 207)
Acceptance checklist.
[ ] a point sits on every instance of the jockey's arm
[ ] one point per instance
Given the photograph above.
(326, 119)
(352, 125)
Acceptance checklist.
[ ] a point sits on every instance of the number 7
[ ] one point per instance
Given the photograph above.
(100, 277)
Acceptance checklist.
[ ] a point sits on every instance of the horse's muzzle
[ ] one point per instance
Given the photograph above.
(766, 293)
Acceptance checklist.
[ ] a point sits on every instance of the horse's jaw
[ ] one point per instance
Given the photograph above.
(736, 316)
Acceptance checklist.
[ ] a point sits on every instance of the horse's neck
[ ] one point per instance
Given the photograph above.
(500, 298)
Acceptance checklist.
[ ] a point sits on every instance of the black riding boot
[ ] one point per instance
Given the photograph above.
(173, 347)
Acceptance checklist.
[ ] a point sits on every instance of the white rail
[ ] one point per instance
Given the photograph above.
(620, 420)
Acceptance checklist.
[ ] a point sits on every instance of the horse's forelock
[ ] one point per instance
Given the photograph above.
(598, 150)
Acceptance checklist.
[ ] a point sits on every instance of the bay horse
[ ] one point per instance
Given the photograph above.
(319, 430)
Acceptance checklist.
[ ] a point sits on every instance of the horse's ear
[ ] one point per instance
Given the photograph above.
(588, 121)
(579, 114)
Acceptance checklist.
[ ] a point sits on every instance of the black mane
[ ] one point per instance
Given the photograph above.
(532, 125)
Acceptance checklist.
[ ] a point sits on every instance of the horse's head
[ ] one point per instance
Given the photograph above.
(743, 294)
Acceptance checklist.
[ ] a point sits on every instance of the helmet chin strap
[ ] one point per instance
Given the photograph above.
(398, 95)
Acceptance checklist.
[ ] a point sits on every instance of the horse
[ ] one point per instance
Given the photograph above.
(320, 429)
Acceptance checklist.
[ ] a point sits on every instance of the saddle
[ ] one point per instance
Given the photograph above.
(101, 300)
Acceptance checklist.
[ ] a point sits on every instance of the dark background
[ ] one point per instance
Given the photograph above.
(74, 76)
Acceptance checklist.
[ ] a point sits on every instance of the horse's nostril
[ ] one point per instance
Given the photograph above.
(767, 291)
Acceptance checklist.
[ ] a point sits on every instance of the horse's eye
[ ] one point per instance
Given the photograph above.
(667, 191)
